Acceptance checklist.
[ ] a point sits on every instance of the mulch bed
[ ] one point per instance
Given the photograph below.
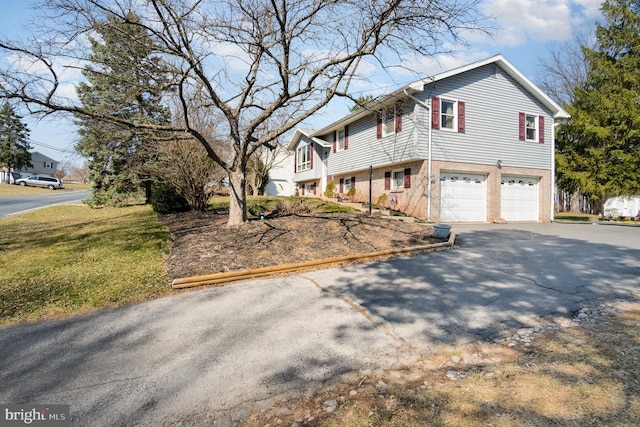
(203, 244)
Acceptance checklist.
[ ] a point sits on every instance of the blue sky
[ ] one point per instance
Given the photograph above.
(526, 30)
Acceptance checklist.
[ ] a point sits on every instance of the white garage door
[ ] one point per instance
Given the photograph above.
(463, 197)
(519, 198)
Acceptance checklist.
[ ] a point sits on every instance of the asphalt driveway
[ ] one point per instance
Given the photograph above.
(500, 277)
(212, 355)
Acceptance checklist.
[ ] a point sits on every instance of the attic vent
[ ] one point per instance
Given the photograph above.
(493, 71)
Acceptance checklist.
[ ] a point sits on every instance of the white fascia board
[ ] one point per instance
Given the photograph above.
(322, 142)
(299, 133)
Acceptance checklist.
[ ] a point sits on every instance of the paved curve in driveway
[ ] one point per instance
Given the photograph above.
(215, 354)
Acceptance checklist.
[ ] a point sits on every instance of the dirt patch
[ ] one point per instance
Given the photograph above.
(203, 244)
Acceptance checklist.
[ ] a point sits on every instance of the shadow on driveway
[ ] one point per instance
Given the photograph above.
(497, 279)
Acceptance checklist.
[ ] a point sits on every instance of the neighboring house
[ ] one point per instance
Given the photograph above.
(472, 144)
(6, 177)
(42, 165)
(280, 174)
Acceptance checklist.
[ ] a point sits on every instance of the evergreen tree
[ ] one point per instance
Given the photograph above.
(125, 84)
(14, 140)
(599, 149)
(361, 102)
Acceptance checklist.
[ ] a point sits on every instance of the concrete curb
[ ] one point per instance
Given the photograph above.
(230, 276)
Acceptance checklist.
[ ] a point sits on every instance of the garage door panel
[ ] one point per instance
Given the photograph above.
(462, 197)
(519, 198)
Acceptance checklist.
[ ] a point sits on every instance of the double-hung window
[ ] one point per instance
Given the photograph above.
(303, 156)
(389, 123)
(340, 140)
(390, 120)
(448, 114)
(531, 127)
(397, 181)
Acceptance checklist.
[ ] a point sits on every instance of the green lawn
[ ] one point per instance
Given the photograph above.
(66, 260)
(575, 217)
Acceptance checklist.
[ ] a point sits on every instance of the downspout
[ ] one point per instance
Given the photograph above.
(429, 174)
(553, 170)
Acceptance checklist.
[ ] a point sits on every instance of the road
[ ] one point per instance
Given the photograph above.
(210, 356)
(14, 205)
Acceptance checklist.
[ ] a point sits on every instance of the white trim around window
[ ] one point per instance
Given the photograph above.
(340, 139)
(531, 127)
(397, 179)
(449, 114)
(303, 158)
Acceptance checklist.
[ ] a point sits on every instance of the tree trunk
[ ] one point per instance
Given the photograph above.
(238, 199)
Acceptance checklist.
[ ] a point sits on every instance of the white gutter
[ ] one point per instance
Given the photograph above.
(426, 107)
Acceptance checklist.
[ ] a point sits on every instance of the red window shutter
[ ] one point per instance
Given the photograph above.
(314, 188)
(399, 117)
(461, 117)
(541, 129)
(407, 178)
(353, 182)
(295, 161)
(387, 180)
(302, 190)
(379, 125)
(335, 140)
(346, 137)
(522, 127)
(312, 151)
(435, 113)
(341, 185)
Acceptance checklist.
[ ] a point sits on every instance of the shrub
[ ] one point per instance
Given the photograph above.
(166, 199)
(351, 193)
(292, 206)
(331, 187)
(383, 201)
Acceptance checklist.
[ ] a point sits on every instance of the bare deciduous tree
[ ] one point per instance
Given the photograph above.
(565, 68)
(250, 60)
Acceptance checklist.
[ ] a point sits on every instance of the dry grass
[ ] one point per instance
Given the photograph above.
(7, 190)
(588, 375)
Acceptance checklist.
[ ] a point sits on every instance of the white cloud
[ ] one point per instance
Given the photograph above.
(417, 67)
(522, 20)
(590, 8)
